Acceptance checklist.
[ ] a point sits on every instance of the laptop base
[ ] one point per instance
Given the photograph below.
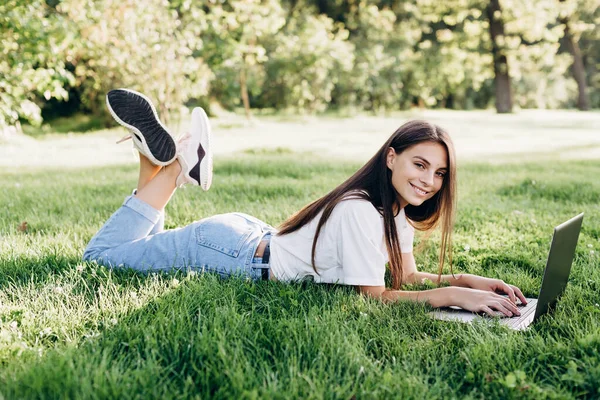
(457, 314)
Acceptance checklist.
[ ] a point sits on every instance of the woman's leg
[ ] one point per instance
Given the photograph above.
(159, 190)
(147, 172)
(141, 215)
(128, 238)
(225, 244)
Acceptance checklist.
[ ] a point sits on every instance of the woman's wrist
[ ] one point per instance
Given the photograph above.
(460, 280)
(441, 297)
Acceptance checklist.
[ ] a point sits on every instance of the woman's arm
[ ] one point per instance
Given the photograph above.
(468, 299)
(411, 275)
(464, 297)
(440, 297)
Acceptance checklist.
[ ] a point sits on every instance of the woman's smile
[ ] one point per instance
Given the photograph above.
(418, 190)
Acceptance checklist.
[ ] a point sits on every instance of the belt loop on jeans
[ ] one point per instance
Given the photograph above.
(265, 260)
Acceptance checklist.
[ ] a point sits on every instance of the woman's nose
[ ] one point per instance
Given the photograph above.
(427, 179)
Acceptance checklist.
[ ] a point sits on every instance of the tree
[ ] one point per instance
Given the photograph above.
(32, 66)
(306, 61)
(502, 84)
(240, 29)
(538, 70)
(589, 43)
(140, 45)
(568, 18)
(309, 55)
(452, 62)
(375, 81)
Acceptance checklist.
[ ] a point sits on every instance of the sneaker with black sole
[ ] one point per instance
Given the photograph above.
(136, 112)
(195, 154)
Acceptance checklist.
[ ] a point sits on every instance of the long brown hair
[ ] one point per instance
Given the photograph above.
(373, 182)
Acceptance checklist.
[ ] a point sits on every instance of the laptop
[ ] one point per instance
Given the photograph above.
(556, 275)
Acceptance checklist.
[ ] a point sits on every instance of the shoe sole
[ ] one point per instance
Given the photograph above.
(139, 116)
(202, 169)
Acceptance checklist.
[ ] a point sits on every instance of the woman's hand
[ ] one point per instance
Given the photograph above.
(494, 285)
(476, 300)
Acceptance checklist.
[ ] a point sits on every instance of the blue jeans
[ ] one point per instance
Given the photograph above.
(134, 237)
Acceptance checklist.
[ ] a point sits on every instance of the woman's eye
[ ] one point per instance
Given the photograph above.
(419, 165)
(441, 174)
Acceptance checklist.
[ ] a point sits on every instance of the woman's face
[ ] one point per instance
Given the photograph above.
(418, 172)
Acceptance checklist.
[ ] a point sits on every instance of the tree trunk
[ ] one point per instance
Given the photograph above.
(583, 102)
(244, 92)
(501, 75)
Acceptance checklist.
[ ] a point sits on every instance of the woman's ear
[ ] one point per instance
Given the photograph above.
(390, 157)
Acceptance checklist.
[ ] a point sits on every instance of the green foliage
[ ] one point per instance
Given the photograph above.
(304, 55)
(141, 45)
(236, 40)
(540, 74)
(453, 60)
(586, 17)
(383, 52)
(306, 61)
(32, 63)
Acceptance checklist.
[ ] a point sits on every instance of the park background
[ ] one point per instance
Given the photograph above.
(300, 93)
(60, 58)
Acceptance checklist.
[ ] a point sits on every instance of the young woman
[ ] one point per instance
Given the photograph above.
(345, 237)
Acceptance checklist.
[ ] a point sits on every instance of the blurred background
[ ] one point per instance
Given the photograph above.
(60, 57)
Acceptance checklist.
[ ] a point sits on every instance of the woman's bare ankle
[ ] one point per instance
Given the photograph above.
(147, 172)
(173, 168)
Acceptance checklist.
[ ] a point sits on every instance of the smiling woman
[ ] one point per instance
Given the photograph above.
(369, 220)
(347, 236)
(410, 182)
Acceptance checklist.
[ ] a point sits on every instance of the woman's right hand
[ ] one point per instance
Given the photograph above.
(481, 301)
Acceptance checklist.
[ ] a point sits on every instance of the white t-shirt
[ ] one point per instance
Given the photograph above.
(351, 247)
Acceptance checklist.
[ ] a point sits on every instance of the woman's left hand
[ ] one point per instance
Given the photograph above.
(494, 285)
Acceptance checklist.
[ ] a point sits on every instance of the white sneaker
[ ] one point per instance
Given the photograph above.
(136, 112)
(194, 153)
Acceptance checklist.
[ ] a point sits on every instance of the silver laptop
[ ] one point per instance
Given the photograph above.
(556, 275)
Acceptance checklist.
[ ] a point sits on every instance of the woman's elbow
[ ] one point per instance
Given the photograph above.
(410, 279)
(371, 291)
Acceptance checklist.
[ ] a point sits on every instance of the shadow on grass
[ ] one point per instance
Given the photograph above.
(209, 337)
(235, 339)
(23, 270)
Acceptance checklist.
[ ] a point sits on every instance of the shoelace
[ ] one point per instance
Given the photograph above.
(183, 142)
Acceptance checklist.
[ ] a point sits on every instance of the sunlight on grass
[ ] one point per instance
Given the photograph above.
(78, 330)
(528, 135)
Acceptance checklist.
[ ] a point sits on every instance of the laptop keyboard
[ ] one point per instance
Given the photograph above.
(527, 314)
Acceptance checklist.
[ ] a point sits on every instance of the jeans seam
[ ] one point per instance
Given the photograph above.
(140, 207)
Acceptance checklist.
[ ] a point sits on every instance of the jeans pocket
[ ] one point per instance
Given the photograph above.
(225, 233)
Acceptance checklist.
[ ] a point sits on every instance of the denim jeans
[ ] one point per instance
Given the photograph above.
(134, 237)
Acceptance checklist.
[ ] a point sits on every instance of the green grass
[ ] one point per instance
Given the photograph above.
(77, 330)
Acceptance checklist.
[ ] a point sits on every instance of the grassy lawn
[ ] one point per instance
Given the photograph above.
(76, 330)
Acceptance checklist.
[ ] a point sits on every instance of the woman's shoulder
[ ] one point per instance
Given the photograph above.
(402, 220)
(355, 205)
